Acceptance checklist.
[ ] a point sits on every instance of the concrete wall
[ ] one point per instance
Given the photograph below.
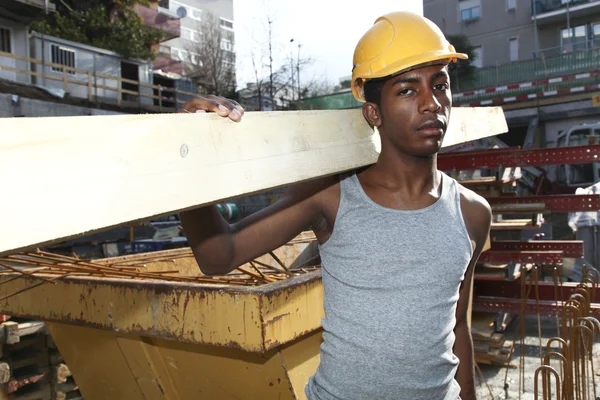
(20, 47)
(11, 106)
(87, 58)
(491, 31)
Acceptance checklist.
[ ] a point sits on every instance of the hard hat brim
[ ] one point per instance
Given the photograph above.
(408, 64)
(418, 61)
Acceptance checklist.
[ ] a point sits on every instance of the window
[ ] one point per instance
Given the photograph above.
(177, 54)
(469, 14)
(190, 34)
(196, 14)
(513, 48)
(595, 35)
(226, 45)
(469, 10)
(63, 56)
(185, 56)
(511, 4)
(574, 38)
(226, 24)
(477, 57)
(195, 59)
(5, 44)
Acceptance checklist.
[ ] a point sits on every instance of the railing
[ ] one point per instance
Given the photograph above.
(528, 70)
(164, 96)
(334, 101)
(543, 6)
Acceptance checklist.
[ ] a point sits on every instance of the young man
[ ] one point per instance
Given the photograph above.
(398, 240)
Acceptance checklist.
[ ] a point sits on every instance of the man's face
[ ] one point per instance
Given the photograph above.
(415, 110)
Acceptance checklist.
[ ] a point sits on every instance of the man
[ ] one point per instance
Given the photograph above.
(398, 240)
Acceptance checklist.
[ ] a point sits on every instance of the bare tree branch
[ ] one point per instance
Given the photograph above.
(212, 60)
(275, 67)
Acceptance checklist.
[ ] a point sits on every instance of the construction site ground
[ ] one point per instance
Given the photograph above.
(497, 376)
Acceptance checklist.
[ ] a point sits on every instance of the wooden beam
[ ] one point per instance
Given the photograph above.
(68, 176)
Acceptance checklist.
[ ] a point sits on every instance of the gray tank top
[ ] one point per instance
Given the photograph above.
(391, 281)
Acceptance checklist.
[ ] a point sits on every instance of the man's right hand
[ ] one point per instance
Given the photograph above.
(220, 105)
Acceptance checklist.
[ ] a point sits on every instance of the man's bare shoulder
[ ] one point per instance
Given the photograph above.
(477, 215)
(474, 203)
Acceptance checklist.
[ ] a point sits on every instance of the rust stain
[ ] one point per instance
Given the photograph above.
(14, 385)
(244, 320)
(185, 304)
(277, 318)
(274, 344)
(262, 300)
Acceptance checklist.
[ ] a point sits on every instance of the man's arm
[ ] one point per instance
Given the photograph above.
(478, 217)
(220, 247)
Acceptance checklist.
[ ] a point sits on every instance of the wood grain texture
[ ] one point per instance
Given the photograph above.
(69, 176)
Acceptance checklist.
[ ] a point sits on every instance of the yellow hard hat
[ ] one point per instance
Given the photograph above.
(397, 42)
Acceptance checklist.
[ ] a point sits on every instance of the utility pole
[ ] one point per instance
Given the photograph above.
(535, 31)
(298, 70)
(568, 17)
(271, 93)
(292, 68)
(569, 22)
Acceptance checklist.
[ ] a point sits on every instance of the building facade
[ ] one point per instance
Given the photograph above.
(505, 31)
(199, 19)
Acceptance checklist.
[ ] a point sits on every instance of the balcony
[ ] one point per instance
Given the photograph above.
(551, 11)
(162, 19)
(556, 69)
(555, 72)
(25, 10)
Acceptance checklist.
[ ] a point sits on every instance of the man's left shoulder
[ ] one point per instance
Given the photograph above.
(474, 205)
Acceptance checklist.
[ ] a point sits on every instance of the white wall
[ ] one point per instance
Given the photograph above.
(87, 58)
(19, 46)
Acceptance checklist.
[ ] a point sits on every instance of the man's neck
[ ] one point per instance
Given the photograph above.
(413, 175)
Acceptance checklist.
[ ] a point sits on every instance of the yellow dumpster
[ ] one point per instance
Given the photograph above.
(253, 335)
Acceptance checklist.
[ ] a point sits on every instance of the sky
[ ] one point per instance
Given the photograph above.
(327, 31)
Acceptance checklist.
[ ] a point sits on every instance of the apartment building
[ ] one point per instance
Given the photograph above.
(186, 50)
(504, 31)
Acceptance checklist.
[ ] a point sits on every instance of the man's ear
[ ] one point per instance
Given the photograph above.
(372, 114)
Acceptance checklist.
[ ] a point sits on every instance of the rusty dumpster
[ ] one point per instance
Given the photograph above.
(141, 338)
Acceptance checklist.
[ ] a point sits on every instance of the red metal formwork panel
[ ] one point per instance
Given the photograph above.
(515, 157)
(559, 202)
(544, 307)
(570, 248)
(536, 256)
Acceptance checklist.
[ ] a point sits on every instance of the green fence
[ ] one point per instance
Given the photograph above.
(491, 77)
(532, 70)
(334, 101)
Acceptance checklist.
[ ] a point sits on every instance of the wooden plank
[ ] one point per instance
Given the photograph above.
(69, 176)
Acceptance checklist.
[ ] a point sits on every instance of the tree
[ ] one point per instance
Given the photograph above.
(214, 68)
(462, 72)
(108, 24)
(275, 67)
